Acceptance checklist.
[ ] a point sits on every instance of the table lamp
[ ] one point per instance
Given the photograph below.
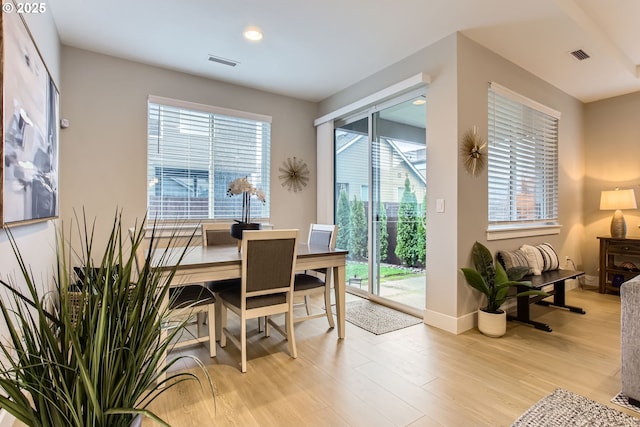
(618, 200)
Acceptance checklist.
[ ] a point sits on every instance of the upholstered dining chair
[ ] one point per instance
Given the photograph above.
(317, 282)
(266, 286)
(187, 300)
(218, 234)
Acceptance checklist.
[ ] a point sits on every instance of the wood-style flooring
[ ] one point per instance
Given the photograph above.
(417, 376)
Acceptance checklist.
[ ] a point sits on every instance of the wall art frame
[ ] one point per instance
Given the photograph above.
(29, 127)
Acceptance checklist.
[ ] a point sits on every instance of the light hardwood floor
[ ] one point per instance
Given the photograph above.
(418, 376)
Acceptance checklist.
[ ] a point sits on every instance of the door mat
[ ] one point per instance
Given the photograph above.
(623, 401)
(377, 318)
(563, 408)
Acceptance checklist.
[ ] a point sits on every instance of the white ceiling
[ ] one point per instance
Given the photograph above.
(313, 49)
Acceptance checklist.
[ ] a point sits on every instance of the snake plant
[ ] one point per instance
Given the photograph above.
(96, 360)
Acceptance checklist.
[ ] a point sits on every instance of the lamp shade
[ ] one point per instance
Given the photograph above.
(618, 199)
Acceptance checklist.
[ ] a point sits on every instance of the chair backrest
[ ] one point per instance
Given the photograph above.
(323, 235)
(268, 261)
(214, 234)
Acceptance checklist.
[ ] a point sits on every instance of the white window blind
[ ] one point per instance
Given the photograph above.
(522, 161)
(195, 151)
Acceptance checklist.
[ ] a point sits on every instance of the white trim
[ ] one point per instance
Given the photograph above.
(524, 100)
(208, 108)
(325, 198)
(382, 95)
(454, 325)
(511, 232)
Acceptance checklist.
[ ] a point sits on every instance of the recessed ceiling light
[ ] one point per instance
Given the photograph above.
(419, 102)
(253, 33)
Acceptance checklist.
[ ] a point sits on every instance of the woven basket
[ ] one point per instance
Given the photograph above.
(76, 303)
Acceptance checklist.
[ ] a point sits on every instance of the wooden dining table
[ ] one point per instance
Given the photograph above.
(210, 263)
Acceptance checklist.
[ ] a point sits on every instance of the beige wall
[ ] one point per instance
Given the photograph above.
(476, 67)
(457, 100)
(103, 152)
(612, 159)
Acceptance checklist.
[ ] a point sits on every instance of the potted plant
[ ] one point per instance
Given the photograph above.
(90, 352)
(494, 282)
(247, 190)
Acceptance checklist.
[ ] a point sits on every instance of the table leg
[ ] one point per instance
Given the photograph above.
(163, 337)
(340, 290)
(559, 299)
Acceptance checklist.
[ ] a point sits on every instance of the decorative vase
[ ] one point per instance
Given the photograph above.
(492, 324)
(239, 227)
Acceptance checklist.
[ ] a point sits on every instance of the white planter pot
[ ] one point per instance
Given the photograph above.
(492, 324)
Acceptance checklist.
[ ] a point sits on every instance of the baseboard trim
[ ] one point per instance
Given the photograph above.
(454, 325)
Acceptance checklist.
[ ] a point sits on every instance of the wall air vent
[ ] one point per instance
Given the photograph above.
(223, 61)
(580, 54)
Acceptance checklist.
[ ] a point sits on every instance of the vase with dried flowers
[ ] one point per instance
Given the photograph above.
(242, 186)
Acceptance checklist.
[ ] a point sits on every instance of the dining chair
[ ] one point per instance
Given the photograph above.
(188, 300)
(266, 286)
(218, 234)
(316, 282)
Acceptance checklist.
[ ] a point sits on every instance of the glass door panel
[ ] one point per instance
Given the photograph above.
(352, 198)
(380, 190)
(398, 163)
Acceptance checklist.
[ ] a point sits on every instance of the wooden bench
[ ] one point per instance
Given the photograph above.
(557, 279)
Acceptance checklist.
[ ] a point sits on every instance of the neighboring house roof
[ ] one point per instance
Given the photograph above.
(346, 140)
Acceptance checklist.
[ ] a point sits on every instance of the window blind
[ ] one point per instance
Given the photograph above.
(522, 161)
(195, 151)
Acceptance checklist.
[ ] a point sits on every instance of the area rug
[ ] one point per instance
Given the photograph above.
(623, 401)
(377, 318)
(563, 408)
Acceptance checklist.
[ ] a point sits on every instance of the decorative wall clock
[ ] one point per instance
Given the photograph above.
(472, 152)
(295, 174)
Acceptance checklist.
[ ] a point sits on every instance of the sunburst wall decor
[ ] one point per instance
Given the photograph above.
(472, 152)
(295, 174)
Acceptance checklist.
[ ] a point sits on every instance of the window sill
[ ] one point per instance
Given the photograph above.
(513, 232)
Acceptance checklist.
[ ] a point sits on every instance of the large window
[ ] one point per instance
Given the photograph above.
(195, 151)
(523, 161)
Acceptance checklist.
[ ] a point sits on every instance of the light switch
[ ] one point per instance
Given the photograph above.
(440, 205)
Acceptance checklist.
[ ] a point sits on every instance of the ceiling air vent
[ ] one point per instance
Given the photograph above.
(580, 54)
(223, 61)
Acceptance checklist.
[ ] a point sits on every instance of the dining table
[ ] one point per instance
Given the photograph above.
(220, 262)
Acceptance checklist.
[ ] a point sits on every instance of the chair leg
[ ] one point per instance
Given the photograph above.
(327, 305)
(307, 305)
(218, 328)
(267, 325)
(212, 330)
(291, 337)
(223, 325)
(243, 343)
(200, 322)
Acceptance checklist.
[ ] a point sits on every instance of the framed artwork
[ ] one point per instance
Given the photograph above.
(29, 150)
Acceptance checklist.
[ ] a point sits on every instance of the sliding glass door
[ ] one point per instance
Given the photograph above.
(380, 188)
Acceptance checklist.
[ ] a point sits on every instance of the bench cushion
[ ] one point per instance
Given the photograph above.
(541, 258)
